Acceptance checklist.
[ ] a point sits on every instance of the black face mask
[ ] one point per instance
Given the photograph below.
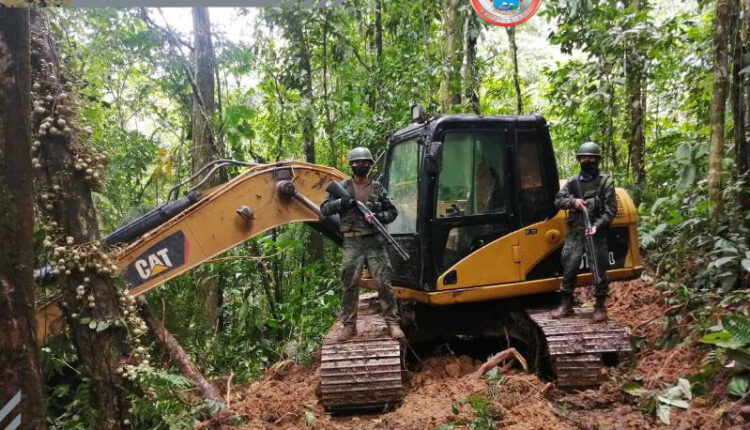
(589, 170)
(361, 170)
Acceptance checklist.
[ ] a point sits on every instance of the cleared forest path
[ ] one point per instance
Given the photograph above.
(442, 393)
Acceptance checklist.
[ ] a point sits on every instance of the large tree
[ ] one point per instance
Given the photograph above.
(67, 168)
(634, 69)
(718, 101)
(22, 380)
(206, 145)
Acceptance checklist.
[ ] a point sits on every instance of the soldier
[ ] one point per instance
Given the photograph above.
(596, 191)
(362, 244)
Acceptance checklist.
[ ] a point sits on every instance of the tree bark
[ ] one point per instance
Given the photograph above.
(469, 75)
(378, 45)
(743, 148)
(716, 145)
(738, 117)
(326, 106)
(315, 241)
(449, 94)
(205, 144)
(635, 66)
(514, 58)
(176, 353)
(19, 353)
(66, 170)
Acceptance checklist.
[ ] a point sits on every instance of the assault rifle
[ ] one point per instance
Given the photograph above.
(339, 192)
(591, 256)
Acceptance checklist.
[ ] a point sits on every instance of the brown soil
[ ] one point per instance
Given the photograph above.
(286, 397)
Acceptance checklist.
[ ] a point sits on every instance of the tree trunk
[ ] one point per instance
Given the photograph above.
(178, 355)
(19, 353)
(514, 58)
(469, 76)
(205, 145)
(743, 148)
(738, 118)
(315, 242)
(378, 45)
(452, 32)
(326, 105)
(66, 171)
(635, 66)
(716, 145)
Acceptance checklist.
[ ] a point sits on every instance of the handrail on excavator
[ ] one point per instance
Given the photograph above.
(223, 162)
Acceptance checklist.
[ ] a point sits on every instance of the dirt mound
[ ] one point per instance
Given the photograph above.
(442, 389)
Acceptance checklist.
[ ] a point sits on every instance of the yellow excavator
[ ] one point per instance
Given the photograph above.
(476, 217)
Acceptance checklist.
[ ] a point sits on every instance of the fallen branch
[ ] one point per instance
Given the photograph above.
(177, 354)
(668, 310)
(229, 390)
(499, 358)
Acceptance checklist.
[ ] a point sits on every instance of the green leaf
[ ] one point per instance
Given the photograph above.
(674, 402)
(663, 413)
(101, 326)
(741, 356)
(492, 374)
(684, 385)
(634, 389)
(724, 260)
(687, 176)
(738, 385)
(446, 426)
(722, 338)
(85, 320)
(454, 408)
(738, 326)
(310, 419)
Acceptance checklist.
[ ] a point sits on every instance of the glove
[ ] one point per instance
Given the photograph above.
(347, 203)
(374, 206)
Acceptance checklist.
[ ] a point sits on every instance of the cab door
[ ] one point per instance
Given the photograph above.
(475, 202)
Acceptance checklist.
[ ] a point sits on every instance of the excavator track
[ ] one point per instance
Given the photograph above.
(580, 351)
(364, 372)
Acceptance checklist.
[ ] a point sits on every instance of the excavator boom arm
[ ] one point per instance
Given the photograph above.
(264, 197)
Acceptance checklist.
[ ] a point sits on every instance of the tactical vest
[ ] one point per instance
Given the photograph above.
(591, 189)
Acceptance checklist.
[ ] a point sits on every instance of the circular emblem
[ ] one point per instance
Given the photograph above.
(505, 12)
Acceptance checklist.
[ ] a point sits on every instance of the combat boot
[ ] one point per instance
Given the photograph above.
(600, 310)
(396, 331)
(566, 306)
(347, 332)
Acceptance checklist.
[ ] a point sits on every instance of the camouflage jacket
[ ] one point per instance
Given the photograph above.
(351, 219)
(600, 199)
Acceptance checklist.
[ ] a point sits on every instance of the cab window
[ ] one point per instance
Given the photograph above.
(403, 168)
(472, 178)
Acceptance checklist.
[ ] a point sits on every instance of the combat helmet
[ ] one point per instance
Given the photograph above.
(360, 153)
(589, 148)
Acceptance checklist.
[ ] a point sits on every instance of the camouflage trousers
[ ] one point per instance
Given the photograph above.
(575, 247)
(357, 252)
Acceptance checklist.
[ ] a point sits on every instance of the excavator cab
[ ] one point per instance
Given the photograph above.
(464, 182)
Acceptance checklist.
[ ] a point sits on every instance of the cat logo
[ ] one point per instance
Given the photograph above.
(154, 264)
(166, 255)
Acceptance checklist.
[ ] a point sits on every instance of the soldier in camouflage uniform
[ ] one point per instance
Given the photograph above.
(362, 244)
(596, 191)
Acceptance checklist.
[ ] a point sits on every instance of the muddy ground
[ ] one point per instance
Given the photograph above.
(439, 386)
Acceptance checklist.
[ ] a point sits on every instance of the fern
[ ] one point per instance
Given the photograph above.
(160, 379)
(738, 326)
